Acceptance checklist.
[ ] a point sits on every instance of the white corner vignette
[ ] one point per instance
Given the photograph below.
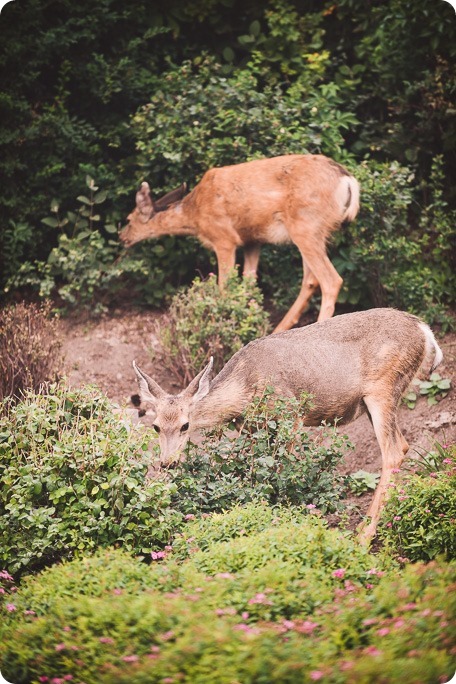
(3, 680)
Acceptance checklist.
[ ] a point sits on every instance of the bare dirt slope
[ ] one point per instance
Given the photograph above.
(101, 353)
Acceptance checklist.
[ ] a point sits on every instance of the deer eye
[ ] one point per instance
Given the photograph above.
(156, 428)
(184, 427)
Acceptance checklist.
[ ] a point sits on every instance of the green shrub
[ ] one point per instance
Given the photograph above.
(84, 270)
(202, 322)
(242, 520)
(403, 264)
(29, 348)
(73, 478)
(419, 519)
(293, 603)
(272, 458)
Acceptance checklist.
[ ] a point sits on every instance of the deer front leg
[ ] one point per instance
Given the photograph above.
(226, 261)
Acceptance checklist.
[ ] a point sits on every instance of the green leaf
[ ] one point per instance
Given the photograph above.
(50, 221)
(100, 197)
(84, 200)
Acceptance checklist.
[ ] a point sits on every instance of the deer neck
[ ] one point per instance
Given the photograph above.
(176, 220)
(226, 399)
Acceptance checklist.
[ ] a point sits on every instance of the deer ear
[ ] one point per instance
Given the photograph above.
(173, 196)
(144, 202)
(199, 386)
(149, 389)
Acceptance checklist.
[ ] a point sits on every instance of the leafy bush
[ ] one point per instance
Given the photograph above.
(419, 518)
(403, 265)
(84, 269)
(293, 603)
(273, 458)
(73, 478)
(29, 348)
(203, 322)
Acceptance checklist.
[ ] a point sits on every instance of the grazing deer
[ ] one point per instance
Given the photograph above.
(293, 198)
(351, 364)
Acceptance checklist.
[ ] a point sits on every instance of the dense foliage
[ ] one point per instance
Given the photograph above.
(287, 600)
(201, 323)
(419, 521)
(72, 478)
(271, 457)
(124, 92)
(75, 476)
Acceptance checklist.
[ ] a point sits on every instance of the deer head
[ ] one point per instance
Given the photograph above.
(141, 220)
(173, 413)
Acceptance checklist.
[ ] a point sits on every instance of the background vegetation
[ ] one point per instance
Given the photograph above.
(119, 93)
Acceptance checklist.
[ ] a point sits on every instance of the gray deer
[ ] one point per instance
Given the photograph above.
(351, 364)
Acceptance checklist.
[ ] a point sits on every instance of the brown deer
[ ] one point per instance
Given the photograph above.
(293, 198)
(350, 364)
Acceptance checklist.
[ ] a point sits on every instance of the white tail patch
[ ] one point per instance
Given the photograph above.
(351, 186)
(432, 346)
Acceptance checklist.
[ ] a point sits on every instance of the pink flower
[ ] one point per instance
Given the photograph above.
(43, 679)
(106, 640)
(310, 506)
(189, 516)
(340, 572)
(306, 627)
(60, 647)
(6, 576)
(397, 517)
(261, 598)
(158, 555)
(409, 606)
(10, 607)
(166, 636)
(372, 650)
(383, 631)
(225, 575)
(316, 674)
(346, 665)
(288, 624)
(130, 659)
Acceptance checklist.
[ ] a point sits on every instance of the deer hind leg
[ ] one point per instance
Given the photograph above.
(393, 447)
(251, 259)
(318, 270)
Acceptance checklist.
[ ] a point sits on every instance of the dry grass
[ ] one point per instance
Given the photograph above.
(29, 348)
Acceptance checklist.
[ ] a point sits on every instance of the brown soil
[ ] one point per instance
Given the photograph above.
(101, 353)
